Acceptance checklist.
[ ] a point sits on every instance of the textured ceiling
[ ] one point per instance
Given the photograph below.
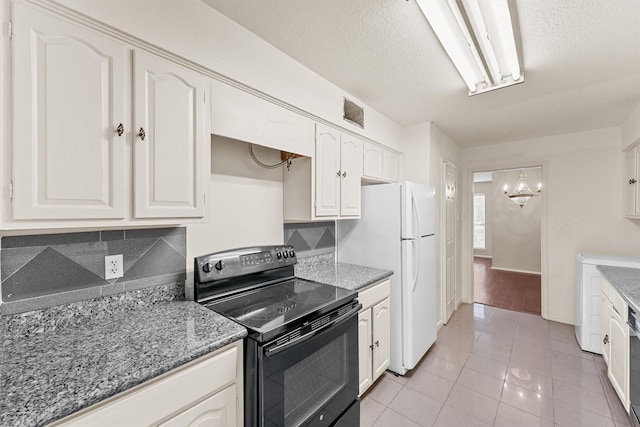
(581, 60)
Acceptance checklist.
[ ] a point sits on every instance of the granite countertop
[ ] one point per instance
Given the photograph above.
(626, 281)
(46, 375)
(324, 269)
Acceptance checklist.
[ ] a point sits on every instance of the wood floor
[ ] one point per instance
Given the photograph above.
(505, 289)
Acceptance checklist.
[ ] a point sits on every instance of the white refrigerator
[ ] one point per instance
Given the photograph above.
(397, 232)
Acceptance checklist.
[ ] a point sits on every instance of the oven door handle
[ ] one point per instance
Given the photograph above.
(282, 347)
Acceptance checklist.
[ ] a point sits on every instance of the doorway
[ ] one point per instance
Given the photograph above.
(507, 220)
(449, 261)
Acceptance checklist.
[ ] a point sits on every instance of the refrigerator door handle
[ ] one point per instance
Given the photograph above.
(417, 257)
(416, 212)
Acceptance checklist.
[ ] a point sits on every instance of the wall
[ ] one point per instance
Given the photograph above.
(312, 238)
(630, 132)
(516, 231)
(416, 158)
(246, 200)
(485, 188)
(583, 204)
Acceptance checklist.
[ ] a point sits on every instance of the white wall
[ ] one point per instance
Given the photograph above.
(516, 231)
(246, 201)
(485, 188)
(630, 132)
(416, 164)
(583, 203)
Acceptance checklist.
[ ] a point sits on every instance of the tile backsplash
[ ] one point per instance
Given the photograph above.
(41, 271)
(310, 239)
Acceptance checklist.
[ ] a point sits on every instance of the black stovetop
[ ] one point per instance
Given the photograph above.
(274, 309)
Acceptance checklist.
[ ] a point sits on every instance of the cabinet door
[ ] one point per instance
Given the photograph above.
(390, 166)
(169, 139)
(218, 410)
(351, 163)
(328, 172)
(618, 367)
(381, 338)
(372, 161)
(604, 327)
(630, 178)
(69, 99)
(364, 350)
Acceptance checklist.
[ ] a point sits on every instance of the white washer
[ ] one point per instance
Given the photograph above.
(588, 295)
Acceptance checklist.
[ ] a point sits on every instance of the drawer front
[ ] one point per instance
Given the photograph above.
(165, 396)
(374, 293)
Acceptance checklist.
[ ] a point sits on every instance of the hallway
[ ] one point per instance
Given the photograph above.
(506, 289)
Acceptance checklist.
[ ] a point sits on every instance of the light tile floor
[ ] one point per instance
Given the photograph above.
(495, 367)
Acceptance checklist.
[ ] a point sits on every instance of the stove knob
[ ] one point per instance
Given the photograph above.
(279, 255)
(207, 267)
(285, 254)
(219, 265)
(292, 254)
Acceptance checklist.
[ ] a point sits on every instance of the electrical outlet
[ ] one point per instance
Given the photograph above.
(113, 267)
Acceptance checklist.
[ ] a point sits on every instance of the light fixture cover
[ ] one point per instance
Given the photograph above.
(478, 37)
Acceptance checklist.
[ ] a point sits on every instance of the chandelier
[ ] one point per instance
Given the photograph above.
(521, 193)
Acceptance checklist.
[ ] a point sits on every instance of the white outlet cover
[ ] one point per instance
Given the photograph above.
(113, 267)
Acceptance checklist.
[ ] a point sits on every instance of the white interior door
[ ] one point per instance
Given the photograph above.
(449, 263)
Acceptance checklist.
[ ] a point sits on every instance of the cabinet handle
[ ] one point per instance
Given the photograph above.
(377, 343)
(141, 134)
(120, 129)
(606, 339)
(339, 173)
(632, 181)
(344, 174)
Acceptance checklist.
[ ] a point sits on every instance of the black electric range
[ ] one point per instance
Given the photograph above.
(301, 353)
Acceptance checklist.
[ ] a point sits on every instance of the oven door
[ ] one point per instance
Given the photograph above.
(314, 381)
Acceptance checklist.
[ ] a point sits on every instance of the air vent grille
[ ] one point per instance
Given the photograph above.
(353, 113)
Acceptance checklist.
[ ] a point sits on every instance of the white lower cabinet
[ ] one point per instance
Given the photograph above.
(615, 341)
(373, 333)
(205, 392)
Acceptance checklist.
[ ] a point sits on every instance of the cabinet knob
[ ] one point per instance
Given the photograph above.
(377, 343)
(606, 339)
(141, 134)
(371, 346)
(339, 173)
(120, 129)
(632, 181)
(344, 174)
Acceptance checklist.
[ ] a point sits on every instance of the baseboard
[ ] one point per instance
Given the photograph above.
(537, 273)
(483, 256)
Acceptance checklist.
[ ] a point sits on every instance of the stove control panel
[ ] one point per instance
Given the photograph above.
(238, 262)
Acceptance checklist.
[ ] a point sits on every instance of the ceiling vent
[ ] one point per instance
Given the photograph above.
(353, 113)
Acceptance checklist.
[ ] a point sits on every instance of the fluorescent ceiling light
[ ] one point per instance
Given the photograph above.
(478, 37)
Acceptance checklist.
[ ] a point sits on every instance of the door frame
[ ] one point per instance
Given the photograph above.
(467, 228)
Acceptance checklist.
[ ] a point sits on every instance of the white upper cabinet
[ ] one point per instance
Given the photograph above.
(169, 136)
(327, 185)
(350, 167)
(380, 163)
(630, 182)
(69, 102)
(103, 133)
(328, 172)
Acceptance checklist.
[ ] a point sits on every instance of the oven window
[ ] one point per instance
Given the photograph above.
(313, 381)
